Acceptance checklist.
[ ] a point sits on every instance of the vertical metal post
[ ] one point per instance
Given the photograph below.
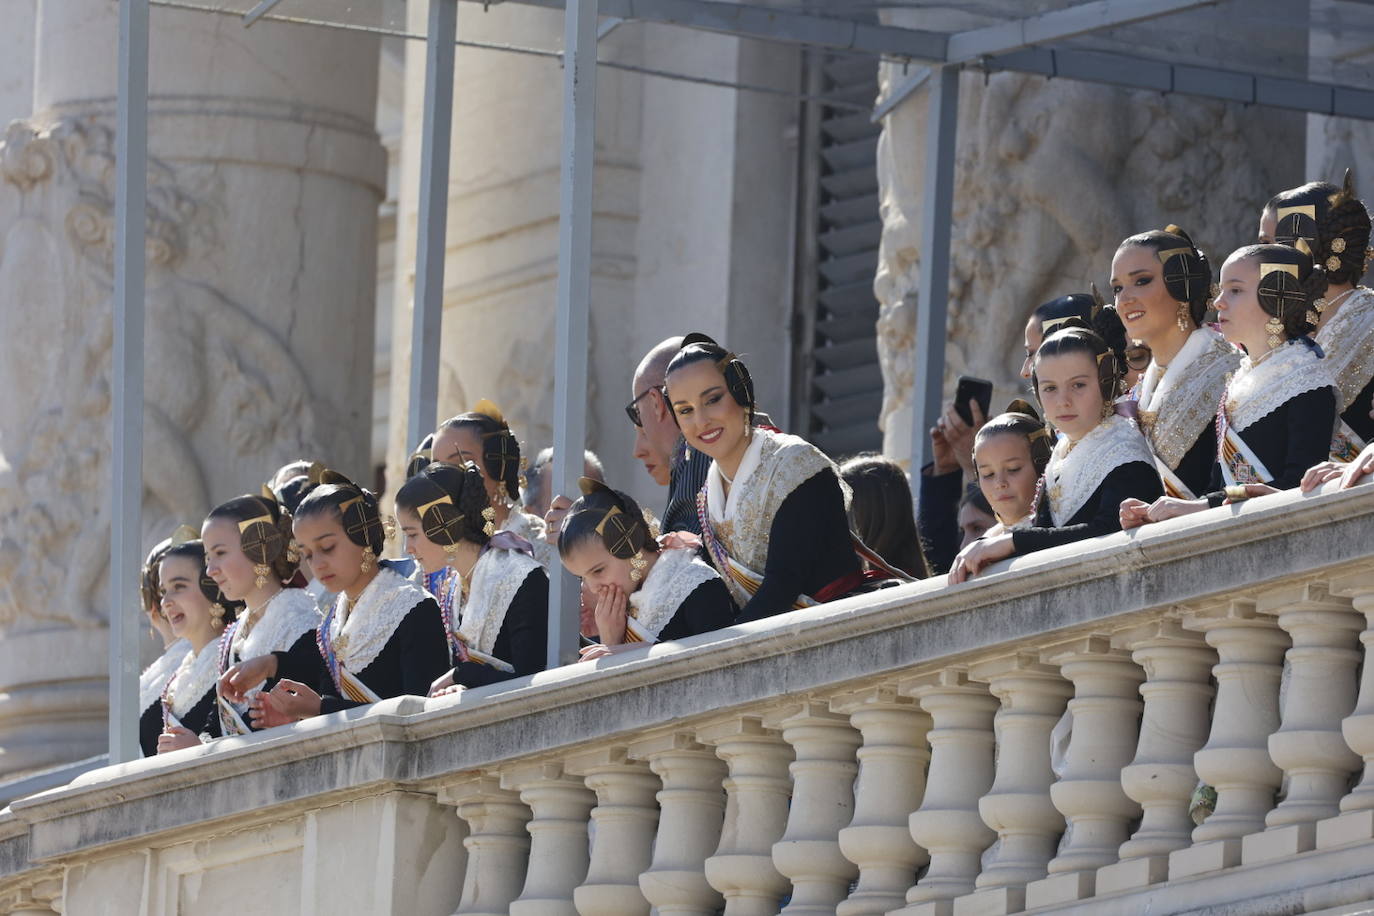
(126, 493)
(427, 310)
(937, 205)
(574, 293)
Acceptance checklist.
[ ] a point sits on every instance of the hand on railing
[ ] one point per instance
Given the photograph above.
(174, 738)
(289, 701)
(981, 553)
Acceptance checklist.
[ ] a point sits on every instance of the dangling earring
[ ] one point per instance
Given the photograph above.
(1275, 329)
(637, 564)
(368, 558)
(293, 552)
(261, 570)
(489, 528)
(450, 551)
(1108, 408)
(524, 481)
(1184, 316)
(1318, 306)
(217, 616)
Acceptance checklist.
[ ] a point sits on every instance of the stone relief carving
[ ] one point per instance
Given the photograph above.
(1049, 177)
(221, 391)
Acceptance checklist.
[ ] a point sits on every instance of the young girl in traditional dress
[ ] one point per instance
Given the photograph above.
(383, 637)
(644, 592)
(197, 612)
(174, 649)
(248, 553)
(1010, 453)
(1100, 459)
(1162, 285)
(1277, 416)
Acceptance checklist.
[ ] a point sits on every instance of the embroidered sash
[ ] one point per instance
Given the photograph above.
(345, 681)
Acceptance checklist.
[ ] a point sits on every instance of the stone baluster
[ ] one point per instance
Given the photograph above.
(1177, 692)
(559, 854)
(1308, 746)
(1018, 806)
(1358, 727)
(692, 805)
(891, 781)
(497, 844)
(1235, 760)
(1106, 712)
(757, 793)
(822, 804)
(947, 824)
(625, 817)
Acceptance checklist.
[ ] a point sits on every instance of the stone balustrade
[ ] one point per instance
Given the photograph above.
(1030, 741)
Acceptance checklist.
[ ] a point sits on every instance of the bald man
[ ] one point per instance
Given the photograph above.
(659, 445)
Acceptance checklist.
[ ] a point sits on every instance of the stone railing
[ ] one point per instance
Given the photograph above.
(904, 752)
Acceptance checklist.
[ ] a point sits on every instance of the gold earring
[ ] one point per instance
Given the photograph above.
(1313, 317)
(261, 570)
(450, 551)
(293, 552)
(217, 616)
(1184, 316)
(1319, 306)
(637, 564)
(1275, 328)
(368, 557)
(489, 528)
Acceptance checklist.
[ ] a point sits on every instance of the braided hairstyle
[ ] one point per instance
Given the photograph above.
(354, 507)
(1082, 310)
(1289, 285)
(195, 550)
(500, 449)
(698, 347)
(1020, 419)
(1330, 222)
(1111, 367)
(1187, 272)
(608, 516)
(449, 500)
(264, 532)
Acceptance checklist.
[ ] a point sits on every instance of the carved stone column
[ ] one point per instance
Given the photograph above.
(1018, 806)
(757, 791)
(497, 843)
(692, 805)
(948, 824)
(891, 781)
(559, 854)
(1106, 709)
(822, 804)
(1235, 761)
(1177, 692)
(625, 817)
(1309, 746)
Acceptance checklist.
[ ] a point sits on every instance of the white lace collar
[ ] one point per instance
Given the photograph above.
(1176, 403)
(194, 678)
(1348, 339)
(386, 601)
(1259, 389)
(724, 507)
(1077, 469)
(496, 577)
(676, 574)
(154, 677)
(288, 614)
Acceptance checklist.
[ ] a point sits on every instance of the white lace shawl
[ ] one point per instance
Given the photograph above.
(1259, 389)
(676, 574)
(195, 677)
(1076, 470)
(1348, 339)
(154, 677)
(496, 578)
(288, 614)
(531, 528)
(386, 601)
(1178, 402)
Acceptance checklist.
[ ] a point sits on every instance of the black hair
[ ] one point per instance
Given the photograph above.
(453, 499)
(1081, 310)
(1020, 419)
(881, 512)
(973, 496)
(1288, 298)
(150, 584)
(500, 448)
(420, 459)
(354, 507)
(1186, 271)
(1336, 214)
(609, 516)
(195, 550)
(1111, 367)
(698, 348)
(267, 539)
(295, 490)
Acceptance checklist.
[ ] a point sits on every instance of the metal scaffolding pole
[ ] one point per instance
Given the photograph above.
(937, 204)
(126, 492)
(427, 308)
(574, 293)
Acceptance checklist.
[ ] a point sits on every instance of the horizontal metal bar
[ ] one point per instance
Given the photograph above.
(1057, 25)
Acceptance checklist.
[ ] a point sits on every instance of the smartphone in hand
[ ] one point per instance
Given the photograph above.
(971, 390)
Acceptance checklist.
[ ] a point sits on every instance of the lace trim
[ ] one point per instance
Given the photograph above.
(496, 578)
(676, 574)
(1076, 470)
(1348, 339)
(1257, 390)
(154, 677)
(288, 614)
(1177, 404)
(195, 677)
(531, 528)
(381, 607)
